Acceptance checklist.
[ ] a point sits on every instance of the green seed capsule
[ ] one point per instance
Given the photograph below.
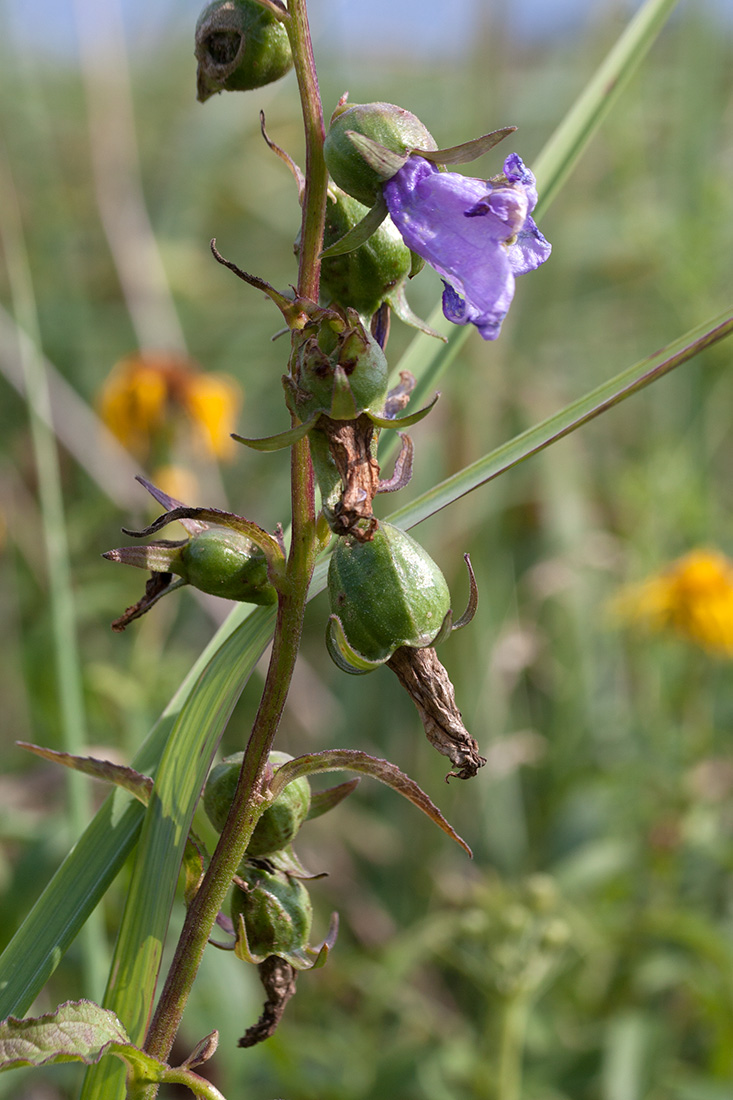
(341, 370)
(277, 912)
(391, 126)
(363, 278)
(387, 593)
(225, 563)
(239, 46)
(278, 824)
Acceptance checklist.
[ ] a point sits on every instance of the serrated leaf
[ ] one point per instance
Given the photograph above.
(120, 775)
(76, 1031)
(356, 761)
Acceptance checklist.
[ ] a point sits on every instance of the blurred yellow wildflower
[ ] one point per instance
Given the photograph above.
(144, 391)
(692, 597)
(213, 402)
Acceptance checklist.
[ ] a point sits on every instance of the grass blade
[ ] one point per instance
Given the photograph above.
(74, 891)
(565, 146)
(573, 416)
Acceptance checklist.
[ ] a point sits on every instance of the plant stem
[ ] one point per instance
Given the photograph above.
(248, 802)
(511, 1047)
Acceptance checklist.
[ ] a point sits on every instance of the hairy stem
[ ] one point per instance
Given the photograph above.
(247, 804)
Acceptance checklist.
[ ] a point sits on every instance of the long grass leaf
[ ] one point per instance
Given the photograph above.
(573, 416)
(569, 141)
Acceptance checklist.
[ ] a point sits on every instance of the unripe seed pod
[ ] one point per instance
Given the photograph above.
(277, 912)
(393, 127)
(387, 593)
(224, 563)
(239, 46)
(328, 361)
(366, 276)
(281, 820)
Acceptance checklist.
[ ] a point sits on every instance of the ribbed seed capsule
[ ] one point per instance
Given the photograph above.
(385, 593)
(239, 46)
(278, 824)
(393, 127)
(276, 909)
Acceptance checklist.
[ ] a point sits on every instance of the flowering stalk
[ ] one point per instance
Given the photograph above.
(247, 805)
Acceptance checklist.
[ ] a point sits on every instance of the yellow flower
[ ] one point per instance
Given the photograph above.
(213, 402)
(692, 597)
(144, 392)
(133, 402)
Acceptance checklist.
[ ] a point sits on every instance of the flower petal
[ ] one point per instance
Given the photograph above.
(477, 235)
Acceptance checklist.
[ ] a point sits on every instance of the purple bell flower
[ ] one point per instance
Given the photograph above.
(477, 235)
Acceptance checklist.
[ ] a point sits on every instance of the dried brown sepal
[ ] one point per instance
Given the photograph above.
(399, 396)
(285, 158)
(402, 468)
(352, 444)
(427, 682)
(156, 586)
(278, 979)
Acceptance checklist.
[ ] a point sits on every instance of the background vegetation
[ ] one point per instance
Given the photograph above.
(595, 925)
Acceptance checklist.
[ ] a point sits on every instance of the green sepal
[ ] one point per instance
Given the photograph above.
(345, 656)
(445, 629)
(280, 441)
(468, 151)
(384, 162)
(304, 958)
(403, 421)
(343, 405)
(399, 304)
(361, 232)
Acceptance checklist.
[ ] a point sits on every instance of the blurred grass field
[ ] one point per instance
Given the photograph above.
(593, 932)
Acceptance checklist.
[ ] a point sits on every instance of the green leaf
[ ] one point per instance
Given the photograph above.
(76, 1031)
(81, 1031)
(356, 761)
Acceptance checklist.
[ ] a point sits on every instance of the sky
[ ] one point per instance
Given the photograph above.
(430, 25)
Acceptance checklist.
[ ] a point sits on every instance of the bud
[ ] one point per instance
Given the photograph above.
(278, 824)
(277, 912)
(224, 563)
(239, 46)
(384, 594)
(370, 274)
(392, 127)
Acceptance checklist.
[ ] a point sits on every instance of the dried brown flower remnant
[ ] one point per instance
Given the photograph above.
(278, 979)
(427, 682)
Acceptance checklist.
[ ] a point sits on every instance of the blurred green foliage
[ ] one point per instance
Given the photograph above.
(592, 937)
